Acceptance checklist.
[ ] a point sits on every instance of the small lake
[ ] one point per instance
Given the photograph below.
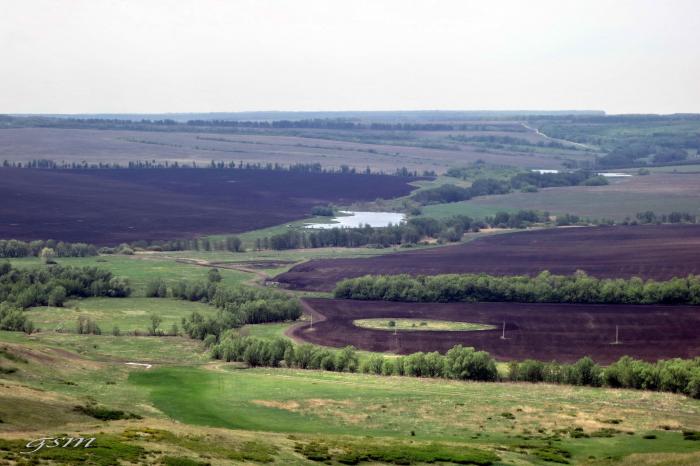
(614, 175)
(359, 219)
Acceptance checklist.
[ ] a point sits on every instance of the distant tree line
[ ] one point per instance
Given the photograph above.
(674, 217)
(542, 288)
(464, 363)
(523, 181)
(315, 168)
(13, 248)
(237, 305)
(21, 288)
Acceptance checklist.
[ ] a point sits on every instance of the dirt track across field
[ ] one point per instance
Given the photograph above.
(648, 251)
(562, 332)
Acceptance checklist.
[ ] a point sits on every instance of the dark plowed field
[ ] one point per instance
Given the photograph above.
(648, 251)
(562, 332)
(113, 206)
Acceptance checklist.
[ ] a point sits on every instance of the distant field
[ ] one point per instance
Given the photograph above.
(112, 206)
(647, 251)
(661, 193)
(128, 314)
(380, 150)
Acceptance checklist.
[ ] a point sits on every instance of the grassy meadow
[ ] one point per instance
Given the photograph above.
(128, 314)
(420, 324)
(661, 193)
(141, 268)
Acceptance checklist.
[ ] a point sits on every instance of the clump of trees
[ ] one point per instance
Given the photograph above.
(13, 248)
(543, 288)
(42, 286)
(323, 211)
(530, 181)
(237, 306)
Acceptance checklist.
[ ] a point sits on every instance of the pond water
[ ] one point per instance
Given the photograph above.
(358, 219)
(614, 175)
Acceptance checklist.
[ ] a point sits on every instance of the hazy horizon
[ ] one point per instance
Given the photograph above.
(211, 56)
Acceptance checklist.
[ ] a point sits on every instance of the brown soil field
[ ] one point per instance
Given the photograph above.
(113, 206)
(561, 332)
(329, 148)
(648, 251)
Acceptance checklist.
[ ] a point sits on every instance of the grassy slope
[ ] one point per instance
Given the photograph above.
(62, 371)
(312, 402)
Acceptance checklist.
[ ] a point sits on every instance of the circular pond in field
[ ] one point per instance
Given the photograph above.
(398, 324)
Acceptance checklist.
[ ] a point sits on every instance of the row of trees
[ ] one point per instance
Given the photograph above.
(459, 363)
(213, 164)
(673, 375)
(13, 248)
(464, 363)
(674, 217)
(543, 288)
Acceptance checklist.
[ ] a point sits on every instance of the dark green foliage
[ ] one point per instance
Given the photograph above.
(237, 306)
(691, 435)
(40, 286)
(323, 211)
(156, 288)
(673, 375)
(544, 288)
(104, 414)
(487, 186)
(16, 248)
(213, 276)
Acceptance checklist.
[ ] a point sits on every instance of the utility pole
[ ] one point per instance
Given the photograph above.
(617, 335)
(503, 334)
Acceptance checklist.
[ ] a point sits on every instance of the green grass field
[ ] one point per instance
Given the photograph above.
(419, 324)
(518, 417)
(128, 314)
(660, 193)
(141, 268)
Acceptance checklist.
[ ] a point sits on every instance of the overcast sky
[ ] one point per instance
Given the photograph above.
(140, 56)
